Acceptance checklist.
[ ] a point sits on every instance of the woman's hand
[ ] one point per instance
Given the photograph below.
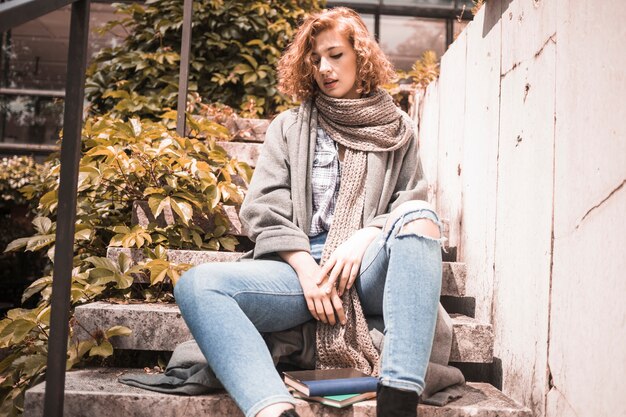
(324, 306)
(345, 262)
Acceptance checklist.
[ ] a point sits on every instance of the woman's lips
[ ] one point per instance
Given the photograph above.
(330, 84)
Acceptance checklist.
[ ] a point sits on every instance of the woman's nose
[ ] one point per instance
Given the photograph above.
(324, 65)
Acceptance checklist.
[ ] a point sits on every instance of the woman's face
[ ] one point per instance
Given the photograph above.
(335, 65)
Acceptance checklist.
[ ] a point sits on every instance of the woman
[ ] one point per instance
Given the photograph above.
(341, 230)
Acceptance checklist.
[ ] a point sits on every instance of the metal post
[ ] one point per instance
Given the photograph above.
(449, 32)
(431, 11)
(183, 77)
(64, 253)
(5, 57)
(377, 27)
(377, 21)
(15, 12)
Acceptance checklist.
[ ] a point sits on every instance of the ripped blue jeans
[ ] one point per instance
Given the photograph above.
(228, 305)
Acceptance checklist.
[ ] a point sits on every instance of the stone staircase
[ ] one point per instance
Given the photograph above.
(160, 327)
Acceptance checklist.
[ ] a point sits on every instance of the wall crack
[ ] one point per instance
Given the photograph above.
(551, 39)
(554, 388)
(615, 190)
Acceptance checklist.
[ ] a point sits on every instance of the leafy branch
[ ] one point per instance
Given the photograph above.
(123, 161)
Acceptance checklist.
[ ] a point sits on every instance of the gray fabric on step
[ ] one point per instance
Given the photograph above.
(438, 378)
(443, 397)
(188, 373)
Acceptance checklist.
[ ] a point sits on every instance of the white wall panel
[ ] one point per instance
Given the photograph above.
(527, 27)
(451, 118)
(524, 226)
(429, 136)
(480, 154)
(587, 354)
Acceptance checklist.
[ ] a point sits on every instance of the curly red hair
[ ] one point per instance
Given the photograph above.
(296, 69)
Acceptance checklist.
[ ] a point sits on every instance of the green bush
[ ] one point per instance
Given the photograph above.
(423, 72)
(135, 160)
(235, 46)
(17, 270)
(16, 172)
(123, 161)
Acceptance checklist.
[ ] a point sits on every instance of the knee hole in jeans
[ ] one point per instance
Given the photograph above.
(421, 227)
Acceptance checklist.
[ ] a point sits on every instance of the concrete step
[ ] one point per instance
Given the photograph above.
(453, 277)
(241, 129)
(248, 130)
(142, 215)
(96, 393)
(243, 151)
(160, 327)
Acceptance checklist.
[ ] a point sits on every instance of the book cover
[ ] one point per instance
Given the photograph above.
(320, 383)
(337, 401)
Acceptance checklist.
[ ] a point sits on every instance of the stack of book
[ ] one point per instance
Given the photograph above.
(334, 387)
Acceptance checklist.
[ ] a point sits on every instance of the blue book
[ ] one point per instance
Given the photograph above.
(324, 382)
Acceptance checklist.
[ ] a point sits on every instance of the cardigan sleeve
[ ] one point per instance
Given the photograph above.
(267, 210)
(411, 184)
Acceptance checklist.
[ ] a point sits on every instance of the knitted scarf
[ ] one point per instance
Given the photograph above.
(369, 124)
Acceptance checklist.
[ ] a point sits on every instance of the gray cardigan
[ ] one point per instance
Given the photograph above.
(277, 210)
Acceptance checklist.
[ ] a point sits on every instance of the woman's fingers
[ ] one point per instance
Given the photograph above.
(334, 275)
(345, 278)
(338, 305)
(354, 273)
(324, 270)
(319, 309)
(330, 313)
(311, 306)
(327, 308)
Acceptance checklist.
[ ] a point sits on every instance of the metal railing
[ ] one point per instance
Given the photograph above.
(27, 149)
(456, 11)
(14, 13)
(32, 92)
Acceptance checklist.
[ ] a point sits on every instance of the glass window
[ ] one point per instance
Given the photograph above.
(36, 52)
(404, 39)
(368, 19)
(459, 26)
(31, 118)
(33, 71)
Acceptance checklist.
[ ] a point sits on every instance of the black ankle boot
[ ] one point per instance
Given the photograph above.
(289, 413)
(392, 402)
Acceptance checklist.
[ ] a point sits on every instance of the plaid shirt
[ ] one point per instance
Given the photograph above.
(325, 181)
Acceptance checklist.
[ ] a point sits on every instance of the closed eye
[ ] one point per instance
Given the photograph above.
(336, 56)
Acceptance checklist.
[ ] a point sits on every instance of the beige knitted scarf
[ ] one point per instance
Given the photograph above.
(368, 124)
